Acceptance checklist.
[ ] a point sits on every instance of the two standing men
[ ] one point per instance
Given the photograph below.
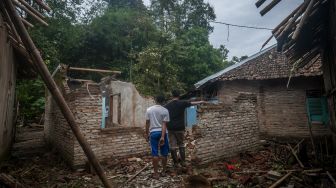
(171, 117)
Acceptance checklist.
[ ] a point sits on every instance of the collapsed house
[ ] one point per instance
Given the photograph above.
(306, 34)
(281, 111)
(110, 114)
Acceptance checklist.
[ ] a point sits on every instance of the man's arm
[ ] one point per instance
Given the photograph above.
(197, 102)
(163, 133)
(147, 129)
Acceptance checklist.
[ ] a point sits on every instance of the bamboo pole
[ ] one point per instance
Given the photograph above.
(43, 5)
(303, 20)
(23, 2)
(93, 70)
(292, 20)
(9, 20)
(28, 24)
(266, 42)
(296, 157)
(269, 7)
(30, 13)
(55, 92)
(287, 18)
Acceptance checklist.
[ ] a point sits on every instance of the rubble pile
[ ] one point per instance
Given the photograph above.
(273, 165)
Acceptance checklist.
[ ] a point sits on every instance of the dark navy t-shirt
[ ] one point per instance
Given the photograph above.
(176, 110)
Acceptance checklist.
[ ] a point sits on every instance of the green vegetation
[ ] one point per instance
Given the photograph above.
(158, 48)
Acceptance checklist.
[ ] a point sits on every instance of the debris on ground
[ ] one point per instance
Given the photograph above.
(273, 165)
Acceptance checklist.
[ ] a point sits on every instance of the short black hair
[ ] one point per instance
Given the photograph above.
(159, 99)
(176, 93)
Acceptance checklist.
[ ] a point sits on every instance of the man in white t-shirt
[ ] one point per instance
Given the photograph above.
(156, 131)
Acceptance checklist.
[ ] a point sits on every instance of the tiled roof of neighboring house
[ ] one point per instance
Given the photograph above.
(267, 64)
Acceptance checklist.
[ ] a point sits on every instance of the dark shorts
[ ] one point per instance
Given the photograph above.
(155, 144)
(176, 139)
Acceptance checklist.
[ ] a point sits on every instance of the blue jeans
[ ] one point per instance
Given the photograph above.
(155, 144)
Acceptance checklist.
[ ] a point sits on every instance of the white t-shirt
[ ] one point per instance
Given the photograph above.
(156, 115)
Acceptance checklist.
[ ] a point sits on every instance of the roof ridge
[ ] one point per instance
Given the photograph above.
(232, 67)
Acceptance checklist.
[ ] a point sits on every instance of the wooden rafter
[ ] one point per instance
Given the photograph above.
(269, 7)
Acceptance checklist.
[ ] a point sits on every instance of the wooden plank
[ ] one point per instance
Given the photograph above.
(259, 3)
(93, 70)
(119, 108)
(269, 7)
(296, 157)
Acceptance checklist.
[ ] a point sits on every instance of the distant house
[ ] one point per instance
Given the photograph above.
(281, 111)
(14, 62)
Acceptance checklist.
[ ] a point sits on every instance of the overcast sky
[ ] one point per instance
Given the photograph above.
(243, 41)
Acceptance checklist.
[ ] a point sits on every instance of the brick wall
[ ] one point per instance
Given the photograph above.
(281, 110)
(106, 143)
(57, 132)
(226, 130)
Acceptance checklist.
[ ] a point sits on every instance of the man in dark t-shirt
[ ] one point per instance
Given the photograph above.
(176, 126)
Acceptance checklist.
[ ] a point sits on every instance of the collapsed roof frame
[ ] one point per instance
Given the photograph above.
(300, 47)
(19, 33)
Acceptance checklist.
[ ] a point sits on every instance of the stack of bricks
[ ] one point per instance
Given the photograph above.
(225, 131)
(85, 103)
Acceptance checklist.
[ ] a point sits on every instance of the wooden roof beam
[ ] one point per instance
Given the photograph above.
(303, 20)
(24, 3)
(17, 4)
(269, 7)
(283, 22)
(43, 5)
(93, 70)
(259, 3)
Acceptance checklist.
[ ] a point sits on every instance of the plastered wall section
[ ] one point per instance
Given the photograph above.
(225, 131)
(133, 105)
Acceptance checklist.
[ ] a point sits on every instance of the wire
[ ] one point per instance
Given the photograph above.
(243, 26)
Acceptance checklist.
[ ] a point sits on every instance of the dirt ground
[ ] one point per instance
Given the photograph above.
(260, 168)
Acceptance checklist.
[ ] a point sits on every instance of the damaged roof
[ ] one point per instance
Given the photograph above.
(266, 64)
(307, 21)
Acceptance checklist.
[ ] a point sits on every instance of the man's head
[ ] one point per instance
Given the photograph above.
(159, 99)
(176, 94)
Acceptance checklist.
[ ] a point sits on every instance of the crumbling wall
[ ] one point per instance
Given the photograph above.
(57, 132)
(133, 105)
(7, 91)
(117, 141)
(226, 130)
(281, 110)
(86, 104)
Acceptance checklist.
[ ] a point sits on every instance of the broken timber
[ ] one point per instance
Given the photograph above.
(51, 85)
(277, 183)
(93, 70)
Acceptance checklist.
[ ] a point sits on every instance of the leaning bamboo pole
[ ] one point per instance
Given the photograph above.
(55, 92)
